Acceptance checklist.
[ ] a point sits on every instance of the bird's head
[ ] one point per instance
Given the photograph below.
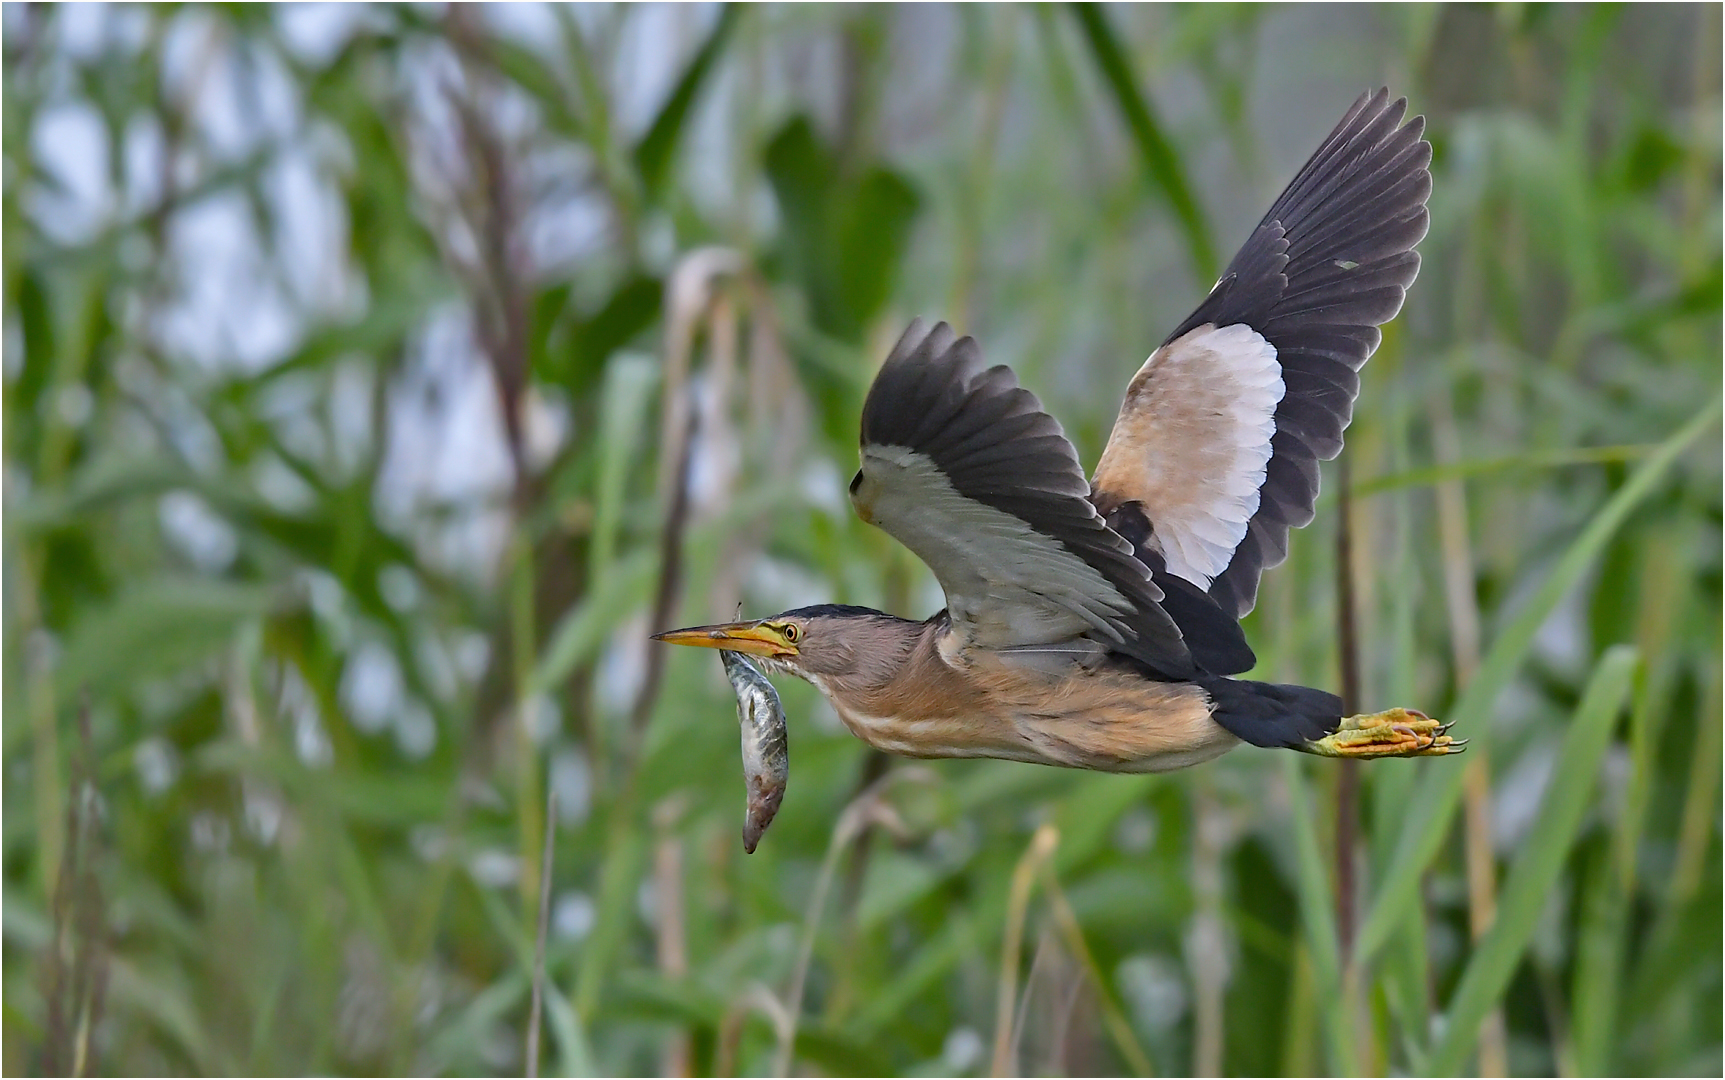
(827, 644)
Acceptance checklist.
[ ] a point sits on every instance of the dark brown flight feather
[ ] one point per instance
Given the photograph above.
(1328, 264)
(994, 444)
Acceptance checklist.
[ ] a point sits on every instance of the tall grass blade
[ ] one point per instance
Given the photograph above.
(542, 931)
(1536, 868)
(575, 1055)
(624, 401)
(1160, 160)
(1112, 1017)
(1318, 917)
(653, 154)
(526, 70)
(160, 626)
(1434, 803)
(625, 586)
(625, 857)
(1433, 475)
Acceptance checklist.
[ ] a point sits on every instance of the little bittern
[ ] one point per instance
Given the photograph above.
(1096, 625)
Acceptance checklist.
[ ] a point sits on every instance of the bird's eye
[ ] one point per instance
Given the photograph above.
(793, 633)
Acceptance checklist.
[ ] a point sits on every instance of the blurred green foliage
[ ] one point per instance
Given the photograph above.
(350, 359)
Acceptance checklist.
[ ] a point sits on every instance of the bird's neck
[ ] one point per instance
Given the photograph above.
(878, 669)
(915, 677)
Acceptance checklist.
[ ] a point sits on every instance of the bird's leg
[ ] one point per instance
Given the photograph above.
(1394, 733)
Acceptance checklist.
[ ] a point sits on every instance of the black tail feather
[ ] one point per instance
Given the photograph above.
(1273, 714)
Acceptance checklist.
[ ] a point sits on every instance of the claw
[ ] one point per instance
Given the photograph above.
(1393, 733)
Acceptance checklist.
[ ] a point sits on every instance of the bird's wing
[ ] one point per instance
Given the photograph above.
(963, 467)
(1218, 442)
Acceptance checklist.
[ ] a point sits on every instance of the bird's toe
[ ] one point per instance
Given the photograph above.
(1393, 733)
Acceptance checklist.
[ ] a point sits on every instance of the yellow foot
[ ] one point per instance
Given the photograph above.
(1395, 733)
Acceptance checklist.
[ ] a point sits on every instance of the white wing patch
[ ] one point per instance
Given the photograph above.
(1192, 443)
(1006, 584)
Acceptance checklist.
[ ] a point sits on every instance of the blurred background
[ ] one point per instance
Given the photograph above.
(377, 378)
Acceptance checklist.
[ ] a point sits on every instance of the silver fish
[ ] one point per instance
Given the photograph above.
(766, 753)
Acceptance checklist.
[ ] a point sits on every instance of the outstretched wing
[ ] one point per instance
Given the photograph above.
(1218, 442)
(963, 467)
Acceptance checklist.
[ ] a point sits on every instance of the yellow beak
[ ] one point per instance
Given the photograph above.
(754, 638)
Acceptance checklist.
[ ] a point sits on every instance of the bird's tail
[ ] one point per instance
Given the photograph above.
(1273, 714)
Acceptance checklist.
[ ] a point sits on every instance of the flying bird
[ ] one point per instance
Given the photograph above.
(1095, 624)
